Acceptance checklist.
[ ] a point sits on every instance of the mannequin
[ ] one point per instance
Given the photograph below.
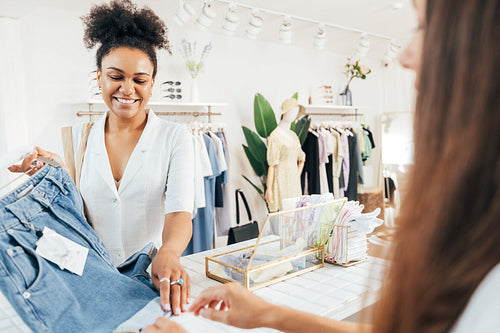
(285, 158)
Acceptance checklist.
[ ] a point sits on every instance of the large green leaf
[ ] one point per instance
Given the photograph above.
(255, 144)
(258, 167)
(263, 114)
(254, 186)
(301, 128)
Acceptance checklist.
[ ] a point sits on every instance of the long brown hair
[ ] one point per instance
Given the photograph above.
(449, 227)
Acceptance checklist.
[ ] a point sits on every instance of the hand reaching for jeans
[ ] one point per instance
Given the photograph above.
(31, 168)
(163, 325)
(232, 304)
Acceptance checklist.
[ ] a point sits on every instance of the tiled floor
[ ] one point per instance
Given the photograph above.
(332, 291)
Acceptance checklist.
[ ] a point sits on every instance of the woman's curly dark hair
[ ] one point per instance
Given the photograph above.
(122, 24)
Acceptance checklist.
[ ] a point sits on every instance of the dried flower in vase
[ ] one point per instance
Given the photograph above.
(189, 52)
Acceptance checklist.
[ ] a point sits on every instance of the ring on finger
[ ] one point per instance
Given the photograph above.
(179, 282)
(164, 279)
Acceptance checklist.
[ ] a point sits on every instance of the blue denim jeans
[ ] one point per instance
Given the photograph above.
(47, 298)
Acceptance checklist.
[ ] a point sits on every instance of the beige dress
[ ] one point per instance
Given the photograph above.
(283, 153)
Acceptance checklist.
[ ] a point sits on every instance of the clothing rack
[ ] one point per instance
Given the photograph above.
(349, 111)
(208, 113)
(176, 113)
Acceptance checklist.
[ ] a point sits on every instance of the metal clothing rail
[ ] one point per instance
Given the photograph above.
(175, 113)
(355, 114)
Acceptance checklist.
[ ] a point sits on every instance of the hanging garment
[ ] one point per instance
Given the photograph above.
(47, 297)
(221, 160)
(158, 180)
(346, 164)
(323, 160)
(203, 222)
(370, 137)
(311, 165)
(368, 147)
(352, 187)
(223, 213)
(283, 153)
(361, 140)
(199, 197)
(337, 160)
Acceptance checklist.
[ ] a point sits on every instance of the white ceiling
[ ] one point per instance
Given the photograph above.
(373, 16)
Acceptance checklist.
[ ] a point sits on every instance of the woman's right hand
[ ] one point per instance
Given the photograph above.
(27, 165)
(238, 307)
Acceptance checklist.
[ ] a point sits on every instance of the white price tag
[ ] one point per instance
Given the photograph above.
(62, 251)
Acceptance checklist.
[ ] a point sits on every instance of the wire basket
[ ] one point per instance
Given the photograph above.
(346, 246)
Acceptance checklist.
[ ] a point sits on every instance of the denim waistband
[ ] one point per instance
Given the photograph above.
(41, 192)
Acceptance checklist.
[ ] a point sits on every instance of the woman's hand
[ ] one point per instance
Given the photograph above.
(27, 163)
(166, 264)
(163, 325)
(238, 307)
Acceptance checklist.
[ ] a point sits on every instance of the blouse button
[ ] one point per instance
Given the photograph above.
(115, 200)
(10, 252)
(26, 295)
(10, 232)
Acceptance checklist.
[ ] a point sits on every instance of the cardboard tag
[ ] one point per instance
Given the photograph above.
(63, 252)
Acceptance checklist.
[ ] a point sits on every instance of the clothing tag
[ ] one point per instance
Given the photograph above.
(63, 252)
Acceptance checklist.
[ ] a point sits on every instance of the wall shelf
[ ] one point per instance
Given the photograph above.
(92, 112)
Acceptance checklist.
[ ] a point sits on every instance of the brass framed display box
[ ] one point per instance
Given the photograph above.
(290, 243)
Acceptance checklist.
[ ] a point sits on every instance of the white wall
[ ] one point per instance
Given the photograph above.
(56, 67)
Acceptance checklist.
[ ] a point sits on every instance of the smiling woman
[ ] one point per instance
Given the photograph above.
(137, 175)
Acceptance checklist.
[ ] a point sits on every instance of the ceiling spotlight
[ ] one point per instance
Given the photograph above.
(286, 30)
(254, 25)
(206, 17)
(393, 48)
(320, 38)
(363, 46)
(184, 13)
(231, 20)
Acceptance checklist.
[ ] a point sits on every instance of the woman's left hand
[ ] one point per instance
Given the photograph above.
(163, 325)
(166, 266)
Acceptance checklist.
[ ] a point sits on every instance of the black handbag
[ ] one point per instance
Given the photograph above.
(243, 232)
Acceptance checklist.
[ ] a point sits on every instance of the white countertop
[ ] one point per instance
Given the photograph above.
(332, 291)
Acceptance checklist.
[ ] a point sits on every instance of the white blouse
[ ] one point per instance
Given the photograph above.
(482, 313)
(158, 179)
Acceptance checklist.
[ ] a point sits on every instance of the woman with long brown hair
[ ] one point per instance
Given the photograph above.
(445, 272)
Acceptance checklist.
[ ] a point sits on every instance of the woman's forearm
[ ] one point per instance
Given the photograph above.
(177, 231)
(286, 319)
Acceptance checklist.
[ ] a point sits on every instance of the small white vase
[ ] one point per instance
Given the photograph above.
(195, 94)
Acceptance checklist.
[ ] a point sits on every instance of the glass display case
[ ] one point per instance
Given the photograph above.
(291, 242)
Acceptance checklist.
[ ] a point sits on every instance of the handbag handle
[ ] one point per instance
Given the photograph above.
(238, 205)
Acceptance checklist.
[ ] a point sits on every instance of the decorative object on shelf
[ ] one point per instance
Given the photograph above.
(171, 90)
(193, 64)
(321, 94)
(346, 96)
(352, 70)
(94, 89)
(256, 148)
